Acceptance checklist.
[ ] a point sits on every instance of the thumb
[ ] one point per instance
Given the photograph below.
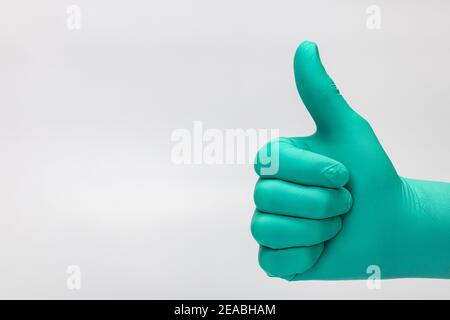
(318, 91)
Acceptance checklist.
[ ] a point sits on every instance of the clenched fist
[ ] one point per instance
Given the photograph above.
(336, 204)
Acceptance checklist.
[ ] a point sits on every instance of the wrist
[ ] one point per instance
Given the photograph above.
(424, 249)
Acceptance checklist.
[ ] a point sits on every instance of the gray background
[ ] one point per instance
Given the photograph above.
(86, 118)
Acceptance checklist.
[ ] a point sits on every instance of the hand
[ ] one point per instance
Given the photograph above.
(336, 204)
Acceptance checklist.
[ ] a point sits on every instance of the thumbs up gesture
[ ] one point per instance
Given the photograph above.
(336, 206)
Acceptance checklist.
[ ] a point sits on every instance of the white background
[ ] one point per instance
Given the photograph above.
(86, 117)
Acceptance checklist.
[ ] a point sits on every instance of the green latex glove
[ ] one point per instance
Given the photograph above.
(336, 204)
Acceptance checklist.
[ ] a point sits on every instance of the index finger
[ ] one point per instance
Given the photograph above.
(300, 166)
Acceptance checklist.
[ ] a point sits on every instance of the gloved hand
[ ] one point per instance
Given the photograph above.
(336, 204)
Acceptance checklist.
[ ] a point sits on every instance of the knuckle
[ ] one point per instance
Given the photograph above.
(258, 227)
(270, 151)
(263, 231)
(261, 157)
(262, 196)
(265, 260)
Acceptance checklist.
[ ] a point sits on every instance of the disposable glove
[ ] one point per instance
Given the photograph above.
(336, 204)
